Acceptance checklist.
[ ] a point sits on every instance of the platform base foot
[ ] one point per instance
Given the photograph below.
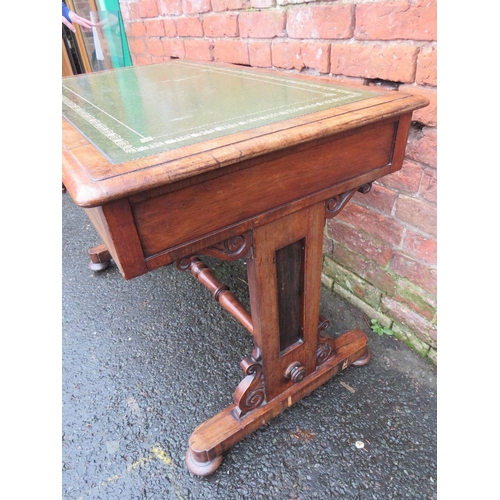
(199, 468)
(218, 434)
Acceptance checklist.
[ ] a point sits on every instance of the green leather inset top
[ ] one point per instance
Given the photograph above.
(133, 112)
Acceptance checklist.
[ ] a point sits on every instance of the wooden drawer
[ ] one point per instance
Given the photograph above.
(187, 214)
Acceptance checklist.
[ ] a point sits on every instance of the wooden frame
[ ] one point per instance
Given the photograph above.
(261, 194)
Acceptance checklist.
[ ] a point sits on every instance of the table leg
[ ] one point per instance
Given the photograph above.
(291, 357)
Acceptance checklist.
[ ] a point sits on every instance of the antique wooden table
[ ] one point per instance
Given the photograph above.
(180, 159)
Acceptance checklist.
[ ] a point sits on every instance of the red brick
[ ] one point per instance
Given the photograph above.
(420, 274)
(331, 22)
(428, 189)
(395, 63)
(196, 6)
(137, 29)
(366, 269)
(137, 45)
(127, 26)
(222, 5)
(286, 55)
(396, 21)
(221, 25)
(262, 4)
(159, 59)
(169, 27)
(189, 26)
(169, 7)
(407, 179)
(198, 50)
(360, 242)
(420, 247)
(155, 27)
(422, 145)
(427, 66)
(265, 24)
(142, 60)
(133, 10)
(260, 54)
(174, 47)
(377, 225)
(316, 55)
(148, 8)
(327, 245)
(416, 299)
(420, 326)
(345, 80)
(379, 198)
(125, 12)
(427, 115)
(339, 276)
(231, 51)
(154, 46)
(418, 213)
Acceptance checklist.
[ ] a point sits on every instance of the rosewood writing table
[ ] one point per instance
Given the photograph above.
(178, 160)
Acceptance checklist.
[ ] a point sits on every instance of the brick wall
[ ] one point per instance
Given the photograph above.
(380, 252)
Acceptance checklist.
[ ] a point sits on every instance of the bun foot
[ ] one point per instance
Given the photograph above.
(98, 266)
(201, 468)
(100, 258)
(362, 361)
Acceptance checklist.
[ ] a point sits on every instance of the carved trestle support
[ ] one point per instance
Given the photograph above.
(250, 392)
(251, 409)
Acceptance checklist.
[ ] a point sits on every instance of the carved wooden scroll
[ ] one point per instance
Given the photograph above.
(337, 203)
(325, 349)
(231, 249)
(250, 393)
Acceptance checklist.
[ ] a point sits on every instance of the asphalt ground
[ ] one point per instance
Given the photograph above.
(145, 361)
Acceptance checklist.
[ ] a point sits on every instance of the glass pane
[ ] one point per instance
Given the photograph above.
(105, 42)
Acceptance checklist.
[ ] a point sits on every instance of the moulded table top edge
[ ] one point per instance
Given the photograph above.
(87, 192)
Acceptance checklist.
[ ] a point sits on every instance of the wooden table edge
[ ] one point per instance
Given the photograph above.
(87, 192)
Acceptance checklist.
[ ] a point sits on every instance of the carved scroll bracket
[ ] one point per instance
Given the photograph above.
(250, 393)
(325, 349)
(337, 203)
(231, 249)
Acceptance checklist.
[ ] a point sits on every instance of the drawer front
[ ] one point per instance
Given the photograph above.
(181, 216)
